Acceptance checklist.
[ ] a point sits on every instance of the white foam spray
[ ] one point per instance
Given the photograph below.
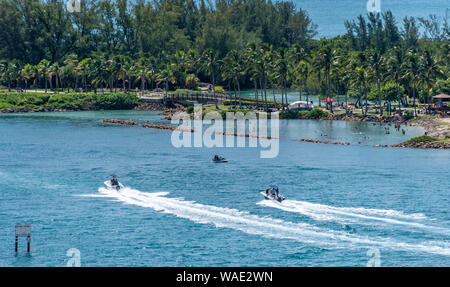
(264, 226)
(359, 215)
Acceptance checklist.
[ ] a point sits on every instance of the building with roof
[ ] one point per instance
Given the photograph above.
(442, 100)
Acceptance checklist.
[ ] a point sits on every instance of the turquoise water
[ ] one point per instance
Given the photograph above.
(179, 209)
(330, 15)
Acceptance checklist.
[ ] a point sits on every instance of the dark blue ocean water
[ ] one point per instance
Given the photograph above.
(330, 15)
(180, 209)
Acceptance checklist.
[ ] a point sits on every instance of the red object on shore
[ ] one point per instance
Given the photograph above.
(328, 100)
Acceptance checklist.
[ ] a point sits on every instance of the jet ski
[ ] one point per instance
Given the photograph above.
(219, 159)
(113, 183)
(272, 193)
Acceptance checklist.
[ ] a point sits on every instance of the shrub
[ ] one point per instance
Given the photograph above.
(191, 81)
(316, 113)
(290, 115)
(219, 90)
(70, 101)
(190, 109)
(408, 115)
(421, 139)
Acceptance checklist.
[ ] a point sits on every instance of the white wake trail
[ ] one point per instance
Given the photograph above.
(263, 226)
(347, 215)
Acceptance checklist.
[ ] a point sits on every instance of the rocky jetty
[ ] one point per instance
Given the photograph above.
(164, 127)
(324, 142)
(150, 107)
(120, 122)
(438, 128)
(245, 135)
(367, 118)
(435, 145)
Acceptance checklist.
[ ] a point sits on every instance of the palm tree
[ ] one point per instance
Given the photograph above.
(122, 69)
(83, 69)
(166, 76)
(327, 59)
(54, 72)
(3, 70)
(209, 63)
(191, 81)
(192, 61)
(28, 73)
(182, 60)
(139, 69)
(280, 73)
(251, 67)
(395, 65)
(69, 70)
(412, 72)
(317, 67)
(13, 73)
(232, 69)
(360, 76)
(302, 70)
(264, 55)
(429, 71)
(376, 64)
(44, 68)
(298, 65)
(99, 73)
(151, 71)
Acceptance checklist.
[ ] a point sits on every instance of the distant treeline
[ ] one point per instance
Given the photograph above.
(240, 44)
(32, 30)
(70, 101)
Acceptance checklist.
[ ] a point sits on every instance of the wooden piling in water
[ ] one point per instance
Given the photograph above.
(22, 230)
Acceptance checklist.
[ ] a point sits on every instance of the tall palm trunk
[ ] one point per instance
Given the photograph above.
(273, 94)
(306, 90)
(167, 87)
(239, 93)
(399, 98)
(265, 92)
(214, 87)
(346, 102)
(320, 87)
(45, 80)
(235, 95)
(256, 92)
(300, 89)
(365, 99)
(379, 96)
(414, 99)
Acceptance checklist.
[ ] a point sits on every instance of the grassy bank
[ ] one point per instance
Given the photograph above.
(69, 101)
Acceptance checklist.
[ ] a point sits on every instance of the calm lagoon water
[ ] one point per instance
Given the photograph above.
(330, 15)
(180, 209)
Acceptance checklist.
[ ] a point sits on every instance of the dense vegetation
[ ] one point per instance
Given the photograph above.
(421, 139)
(70, 101)
(313, 114)
(239, 44)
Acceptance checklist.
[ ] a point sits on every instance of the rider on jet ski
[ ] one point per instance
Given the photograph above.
(273, 191)
(114, 181)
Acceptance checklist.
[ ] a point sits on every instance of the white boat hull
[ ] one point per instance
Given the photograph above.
(109, 186)
(271, 197)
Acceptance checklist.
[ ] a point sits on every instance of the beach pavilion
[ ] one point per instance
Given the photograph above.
(442, 100)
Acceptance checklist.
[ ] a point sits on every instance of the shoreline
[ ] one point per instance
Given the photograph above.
(437, 128)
